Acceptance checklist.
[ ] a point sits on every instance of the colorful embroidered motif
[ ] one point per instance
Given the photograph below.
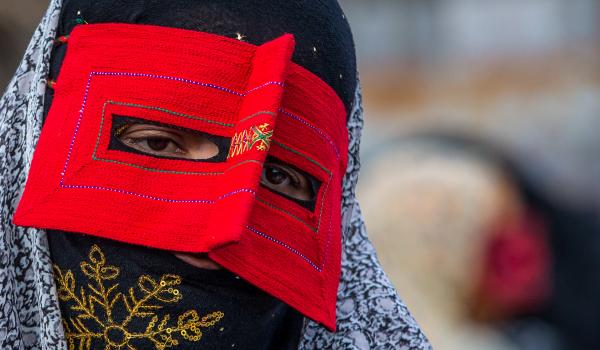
(245, 140)
(95, 324)
(262, 136)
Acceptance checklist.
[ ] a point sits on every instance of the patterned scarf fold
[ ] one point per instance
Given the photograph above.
(370, 313)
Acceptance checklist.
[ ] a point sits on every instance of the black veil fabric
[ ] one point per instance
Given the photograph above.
(238, 315)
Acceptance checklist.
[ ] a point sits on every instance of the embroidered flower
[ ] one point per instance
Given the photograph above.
(95, 324)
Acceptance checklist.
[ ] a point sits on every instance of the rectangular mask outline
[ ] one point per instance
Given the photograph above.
(177, 172)
(321, 196)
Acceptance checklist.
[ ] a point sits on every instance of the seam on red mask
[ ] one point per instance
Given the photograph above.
(286, 246)
(154, 108)
(95, 157)
(169, 200)
(321, 132)
(298, 153)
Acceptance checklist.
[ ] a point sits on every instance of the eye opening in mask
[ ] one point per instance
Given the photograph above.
(290, 182)
(161, 140)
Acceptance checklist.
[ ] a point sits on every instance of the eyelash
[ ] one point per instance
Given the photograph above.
(294, 181)
(137, 140)
(293, 178)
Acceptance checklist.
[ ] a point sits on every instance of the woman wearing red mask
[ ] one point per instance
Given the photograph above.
(192, 182)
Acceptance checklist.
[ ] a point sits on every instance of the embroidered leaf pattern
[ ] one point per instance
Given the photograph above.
(94, 305)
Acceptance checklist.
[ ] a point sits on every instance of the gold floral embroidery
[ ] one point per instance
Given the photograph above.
(245, 140)
(94, 306)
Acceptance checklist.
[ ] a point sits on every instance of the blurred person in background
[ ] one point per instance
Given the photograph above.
(521, 77)
(486, 258)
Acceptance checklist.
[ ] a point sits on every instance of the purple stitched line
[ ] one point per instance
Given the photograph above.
(189, 81)
(323, 135)
(292, 249)
(85, 96)
(327, 243)
(263, 85)
(204, 201)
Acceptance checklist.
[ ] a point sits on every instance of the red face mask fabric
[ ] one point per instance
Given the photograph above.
(250, 102)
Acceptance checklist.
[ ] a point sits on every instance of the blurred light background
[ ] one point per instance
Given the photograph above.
(481, 154)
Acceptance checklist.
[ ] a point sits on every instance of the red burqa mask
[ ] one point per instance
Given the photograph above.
(251, 100)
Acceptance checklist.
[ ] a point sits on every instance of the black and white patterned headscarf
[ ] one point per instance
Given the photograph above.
(370, 313)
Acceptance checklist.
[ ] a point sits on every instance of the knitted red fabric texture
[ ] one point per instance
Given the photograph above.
(253, 95)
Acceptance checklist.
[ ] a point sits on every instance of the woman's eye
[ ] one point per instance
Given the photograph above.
(167, 142)
(288, 181)
(276, 176)
(154, 145)
(158, 144)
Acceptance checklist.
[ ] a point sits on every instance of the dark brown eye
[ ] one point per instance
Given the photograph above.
(168, 142)
(157, 144)
(275, 176)
(287, 180)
